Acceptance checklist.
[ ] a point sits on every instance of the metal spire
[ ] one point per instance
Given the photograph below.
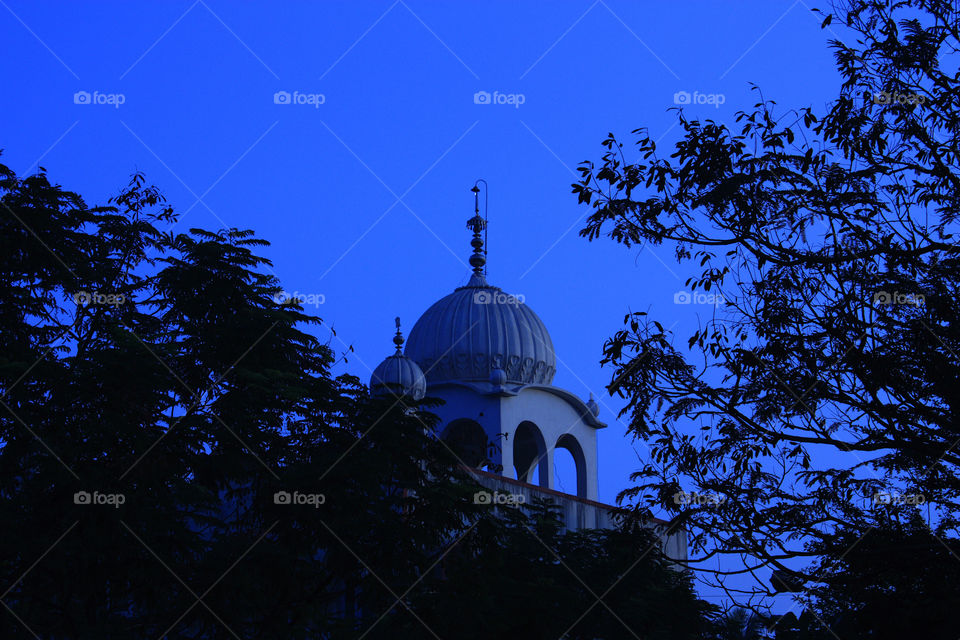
(477, 224)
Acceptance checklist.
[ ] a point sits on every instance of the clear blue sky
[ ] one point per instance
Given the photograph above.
(365, 196)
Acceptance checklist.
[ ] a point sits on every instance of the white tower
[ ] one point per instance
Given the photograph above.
(490, 357)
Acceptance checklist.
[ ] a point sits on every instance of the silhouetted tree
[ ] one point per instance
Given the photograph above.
(178, 461)
(896, 582)
(521, 576)
(155, 398)
(741, 624)
(819, 403)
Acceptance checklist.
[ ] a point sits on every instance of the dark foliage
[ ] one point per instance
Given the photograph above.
(177, 460)
(818, 406)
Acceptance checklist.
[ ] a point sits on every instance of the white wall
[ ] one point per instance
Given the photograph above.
(554, 417)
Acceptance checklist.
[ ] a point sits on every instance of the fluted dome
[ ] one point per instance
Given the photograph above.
(398, 375)
(465, 335)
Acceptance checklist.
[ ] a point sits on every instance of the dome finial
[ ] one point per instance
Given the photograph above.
(593, 406)
(498, 377)
(477, 224)
(398, 339)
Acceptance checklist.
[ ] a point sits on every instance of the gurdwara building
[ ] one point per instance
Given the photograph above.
(490, 358)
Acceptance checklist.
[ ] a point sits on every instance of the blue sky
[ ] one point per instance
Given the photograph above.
(361, 179)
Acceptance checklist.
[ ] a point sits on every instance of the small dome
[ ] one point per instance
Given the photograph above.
(398, 375)
(464, 335)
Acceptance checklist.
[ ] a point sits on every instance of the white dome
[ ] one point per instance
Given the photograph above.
(467, 334)
(398, 375)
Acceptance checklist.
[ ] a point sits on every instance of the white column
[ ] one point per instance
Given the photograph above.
(547, 475)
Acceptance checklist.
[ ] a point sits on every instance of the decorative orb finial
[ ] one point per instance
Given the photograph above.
(398, 339)
(498, 377)
(593, 406)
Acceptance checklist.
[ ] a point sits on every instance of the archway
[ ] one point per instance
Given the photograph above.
(468, 441)
(569, 443)
(564, 471)
(530, 453)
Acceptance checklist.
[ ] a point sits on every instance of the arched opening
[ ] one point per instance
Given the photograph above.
(564, 471)
(530, 454)
(468, 441)
(578, 479)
